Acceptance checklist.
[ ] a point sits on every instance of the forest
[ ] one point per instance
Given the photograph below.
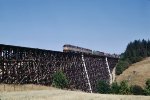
(135, 52)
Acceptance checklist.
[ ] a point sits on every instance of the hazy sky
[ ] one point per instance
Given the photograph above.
(104, 25)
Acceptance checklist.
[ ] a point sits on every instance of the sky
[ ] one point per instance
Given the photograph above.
(103, 25)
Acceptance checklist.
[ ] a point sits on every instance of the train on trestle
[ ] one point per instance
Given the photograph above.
(76, 49)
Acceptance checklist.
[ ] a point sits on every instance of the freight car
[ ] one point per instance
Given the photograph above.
(98, 53)
(76, 49)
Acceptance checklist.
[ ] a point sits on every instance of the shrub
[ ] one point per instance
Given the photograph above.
(59, 80)
(136, 90)
(121, 66)
(124, 88)
(147, 92)
(147, 88)
(103, 87)
(148, 83)
(115, 88)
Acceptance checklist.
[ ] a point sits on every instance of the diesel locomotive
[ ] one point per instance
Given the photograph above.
(76, 49)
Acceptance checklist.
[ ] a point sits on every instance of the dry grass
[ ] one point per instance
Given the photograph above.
(27, 87)
(136, 74)
(56, 94)
(37, 92)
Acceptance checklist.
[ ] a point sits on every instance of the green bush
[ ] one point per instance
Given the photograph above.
(115, 88)
(103, 87)
(59, 80)
(136, 90)
(147, 88)
(121, 66)
(124, 88)
(148, 83)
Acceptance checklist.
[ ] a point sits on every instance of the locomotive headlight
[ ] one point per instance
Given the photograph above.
(66, 48)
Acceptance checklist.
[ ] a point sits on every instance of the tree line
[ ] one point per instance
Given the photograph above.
(135, 51)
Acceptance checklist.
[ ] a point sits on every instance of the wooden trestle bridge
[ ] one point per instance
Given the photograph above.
(23, 65)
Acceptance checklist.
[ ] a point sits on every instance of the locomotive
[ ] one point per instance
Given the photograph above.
(76, 49)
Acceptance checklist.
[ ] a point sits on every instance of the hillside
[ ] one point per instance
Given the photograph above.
(137, 73)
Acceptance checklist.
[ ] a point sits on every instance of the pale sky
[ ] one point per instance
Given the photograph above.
(104, 25)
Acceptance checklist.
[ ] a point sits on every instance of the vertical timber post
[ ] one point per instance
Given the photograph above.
(87, 76)
(108, 70)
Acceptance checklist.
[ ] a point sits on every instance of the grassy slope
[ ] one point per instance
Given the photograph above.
(137, 73)
(57, 94)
